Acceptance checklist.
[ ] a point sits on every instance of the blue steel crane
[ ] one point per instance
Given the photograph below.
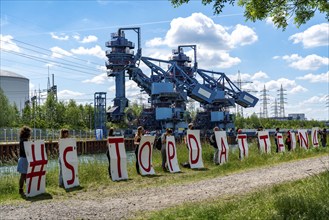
(216, 95)
(167, 105)
(169, 88)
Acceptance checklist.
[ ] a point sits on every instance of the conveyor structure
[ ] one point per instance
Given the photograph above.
(169, 88)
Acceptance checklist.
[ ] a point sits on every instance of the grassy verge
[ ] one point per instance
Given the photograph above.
(303, 199)
(94, 178)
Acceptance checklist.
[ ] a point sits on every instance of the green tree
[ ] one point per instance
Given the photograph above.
(279, 10)
(72, 115)
(50, 111)
(27, 116)
(4, 109)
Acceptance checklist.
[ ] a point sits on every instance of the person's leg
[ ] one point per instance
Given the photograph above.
(164, 158)
(22, 180)
(137, 165)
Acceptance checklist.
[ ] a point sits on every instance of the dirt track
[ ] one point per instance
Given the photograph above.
(124, 206)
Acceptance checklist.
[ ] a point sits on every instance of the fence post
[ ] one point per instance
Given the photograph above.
(11, 134)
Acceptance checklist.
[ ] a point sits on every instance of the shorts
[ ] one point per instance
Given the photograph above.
(22, 165)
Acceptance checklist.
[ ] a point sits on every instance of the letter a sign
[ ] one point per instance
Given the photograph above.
(37, 165)
(195, 150)
(118, 157)
(69, 162)
(223, 147)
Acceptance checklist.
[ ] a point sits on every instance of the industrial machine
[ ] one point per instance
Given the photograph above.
(169, 88)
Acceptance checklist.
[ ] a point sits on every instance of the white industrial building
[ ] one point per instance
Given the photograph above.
(16, 87)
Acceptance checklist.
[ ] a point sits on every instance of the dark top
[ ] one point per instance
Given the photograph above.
(213, 141)
(21, 148)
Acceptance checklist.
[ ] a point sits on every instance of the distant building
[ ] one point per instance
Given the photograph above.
(297, 116)
(16, 88)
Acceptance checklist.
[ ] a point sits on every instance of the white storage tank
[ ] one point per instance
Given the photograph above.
(16, 87)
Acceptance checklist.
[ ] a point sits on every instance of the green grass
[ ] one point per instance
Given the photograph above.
(303, 199)
(93, 176)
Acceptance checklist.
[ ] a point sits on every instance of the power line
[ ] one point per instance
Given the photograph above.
(78, 65)
(59, 64)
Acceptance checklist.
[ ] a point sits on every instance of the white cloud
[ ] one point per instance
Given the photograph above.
(219, 59)
(67, 94)
(100, 79)
(297, 89)
(314, 78)
(203, 31)
(243, 35)
(158, 41)
(259, 75)
(213, 40)
(315, 100)
(76, 37)
(89, 39)
(269, 20)
(6, 43)
(59, 52)
(287, 84)
(62, 36)
(315, 36)
(94, 51)
(310, 62)
(291, 58)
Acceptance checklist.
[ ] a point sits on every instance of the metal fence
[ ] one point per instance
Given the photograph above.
(12, 134)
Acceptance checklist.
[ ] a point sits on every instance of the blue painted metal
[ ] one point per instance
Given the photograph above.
(168, 88)
(100, 113)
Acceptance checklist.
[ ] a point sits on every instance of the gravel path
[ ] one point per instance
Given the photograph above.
(124, 206)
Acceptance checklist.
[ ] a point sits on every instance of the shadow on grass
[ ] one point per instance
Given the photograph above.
(200, 169)
(73, 189)
(43, 196)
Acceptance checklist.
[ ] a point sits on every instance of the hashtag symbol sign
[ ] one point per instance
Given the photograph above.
(34, 164)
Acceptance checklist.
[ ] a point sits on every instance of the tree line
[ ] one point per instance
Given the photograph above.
(59, 114)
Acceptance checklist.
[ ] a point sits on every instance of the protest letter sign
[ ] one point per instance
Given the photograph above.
(280, 142)
(37, 166)
(264, 142)
(243, 145)
(195, 150)
(315, 140)
(118, 157)
(223, 147)
(145, 155)
(303, 139)
(293, 140)
(171, 154)
(69, 162)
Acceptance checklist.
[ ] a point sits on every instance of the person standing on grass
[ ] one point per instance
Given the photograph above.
(111, 134)
(277, 130)
(64, 134)
(324, 137)
(189, 127)
(163, 148)
(137, 139)
(288, 140)
(25, 134)
(213, 143)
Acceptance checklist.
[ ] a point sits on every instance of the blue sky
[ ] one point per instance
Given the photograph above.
(69, 37)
